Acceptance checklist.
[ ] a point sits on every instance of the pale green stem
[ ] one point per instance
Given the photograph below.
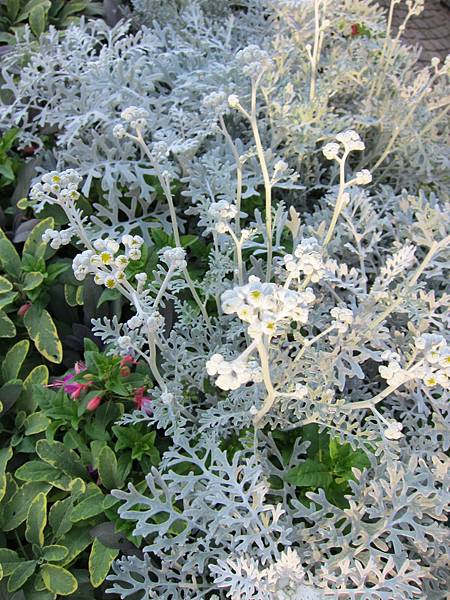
(266, 178)
(339, 204)
(163, 287)
(238, 244)
(314, 58)
(271, 394)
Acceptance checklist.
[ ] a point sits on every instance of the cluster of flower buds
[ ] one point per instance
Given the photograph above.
(349, 139)
(342, 318)
(232, 374)
(135, 118)
(222, 212)
(105, 262)
(56, 239)
(362, 177)
(254, 60)
(394, 373)
(153, 322)
(306, 260)
(393, 431)
(267, 306)
(216, 102)
(175, 258)
(56, 188)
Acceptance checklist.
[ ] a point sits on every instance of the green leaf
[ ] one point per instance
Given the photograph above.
(72, 7)
(7, 327)
(14, 359)
(32, 280)
(9, 393)
(5, 456)
(37, 520)
(56, 454)
(9, 257)
(5, 285)
(108, 296)
(24, 14)
(7, 299)
(88, 507)
(76, 540)
(58, 517)
(37, 470)
(12, 8)
(100, 560)
(42, 330)
(54, 552)
(310, 473)
(58, 580)
(37, 377)
(9, 559)
(107, 469)
(36, 423)
(21, 574)
(7, 171)
(34, 244)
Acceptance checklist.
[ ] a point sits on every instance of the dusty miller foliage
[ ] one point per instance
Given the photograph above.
(337, 317)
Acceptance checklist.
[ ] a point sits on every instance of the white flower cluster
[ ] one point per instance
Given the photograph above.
(349, 139)
(216, 102)
(56, 188)
(154, 321)
(222, 212)
(175, 258)
(307, 260)
(436, 370)
(267, 306)
(253, 60)
(393, 373)
(105, 263)
(233, 101)
(363, 177)
(233, 374)
(342, 318)
(135, 118)
(56, 239)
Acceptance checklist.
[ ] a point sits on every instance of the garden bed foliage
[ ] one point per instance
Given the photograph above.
(236, 235)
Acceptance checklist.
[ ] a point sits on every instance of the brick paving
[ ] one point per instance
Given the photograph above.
(430, 30)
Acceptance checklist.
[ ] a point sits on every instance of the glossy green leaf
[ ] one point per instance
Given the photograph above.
(9, 559)
(56, 454)
(42, 330)
(37, 520)
(5, 285)
(36, 423)
(9, 258)
(7, 327)
(54, 552)
(37, 470)
(32, 280)
(13, 360)
(310, 473)
(21, 574)
(34, 244)
(37, 377)
(5, 456)
(100, 560)
(16, 510)
(107, 468)
(12, 8)
(88, 507)
(58, 580)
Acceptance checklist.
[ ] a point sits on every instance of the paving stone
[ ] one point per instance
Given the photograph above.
(430, 30)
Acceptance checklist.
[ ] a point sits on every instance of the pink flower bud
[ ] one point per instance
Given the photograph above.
(24, 309)
(94, 403)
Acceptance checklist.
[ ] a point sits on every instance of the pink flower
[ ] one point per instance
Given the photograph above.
(73, 389)
(127, 360)
(94, 403)
(79, 367)
(142, 402)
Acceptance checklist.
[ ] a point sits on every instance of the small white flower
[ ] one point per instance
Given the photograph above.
(393, 431)
(166, 398)
(233, 101)
(331, 151)
(134, 322)
(119, 131)
(175, 258)
(363, 177)
(343, 318)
